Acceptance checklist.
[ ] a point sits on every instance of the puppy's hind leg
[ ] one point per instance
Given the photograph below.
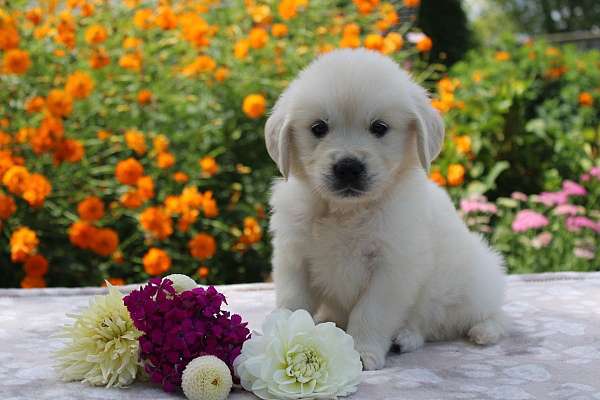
(488, 331)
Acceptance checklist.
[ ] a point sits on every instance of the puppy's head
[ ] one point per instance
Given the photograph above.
(349, 122)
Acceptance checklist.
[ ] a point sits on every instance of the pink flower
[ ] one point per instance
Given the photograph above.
(584, 253)
(574, 224)
(552, 198)
(528, 219)
(541, 240)
(477, 204)
(519, 196)
(573, 189)
(595, 171)
(585, 177)
(568, 209)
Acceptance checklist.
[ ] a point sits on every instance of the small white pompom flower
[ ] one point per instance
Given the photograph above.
(296, 359)
(206, 378)
(103, 347)
(181, 282)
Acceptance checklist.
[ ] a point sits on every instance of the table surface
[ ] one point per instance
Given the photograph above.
(553, 351)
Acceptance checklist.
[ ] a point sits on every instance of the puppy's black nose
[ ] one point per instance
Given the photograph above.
(349, 171)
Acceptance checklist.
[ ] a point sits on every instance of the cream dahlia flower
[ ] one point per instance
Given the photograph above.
(206, 378)
(102, 347)
(296, 359)
(181, 282)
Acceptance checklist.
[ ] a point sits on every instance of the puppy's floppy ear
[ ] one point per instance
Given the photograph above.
(277, 136)
(429, 126)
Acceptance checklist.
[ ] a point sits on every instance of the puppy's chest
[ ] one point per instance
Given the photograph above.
(343, 255)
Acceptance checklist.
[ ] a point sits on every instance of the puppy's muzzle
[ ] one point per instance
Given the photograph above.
(349, 177)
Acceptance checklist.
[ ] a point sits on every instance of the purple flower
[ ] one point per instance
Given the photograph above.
(573, 189)
(574, 224)
(528, 219)
(180, 327)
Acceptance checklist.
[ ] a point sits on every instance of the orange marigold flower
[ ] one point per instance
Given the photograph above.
(209, 165)
(129, 171)
(15, 179)
(166, 18)
(9, 37)
(87, 10)
(392, 42)
(202, 246)
(366, 6)
(456, 174)
(374, 42)
(136, 141)
(209, 206)
(31, 282)
(287, 9)
(115, 281)
(412, 3)
(36, 266)
(350, 38)
(502, 56)
(203, 272)
(144, 97)
(438, 178)
(258, 38)
(35, 104)
(69, 150)
(143, 18)
(252, 231)
(96, 34)
(190, 197)
(180, 177)
(187, 218)
(99, 59)
(36, 189)
(165, 160)
(201, 64)
(173, 205)
(254, 105)
(79, 85)
(81, 234)
(16, 61)
(221, 74)
(131, 61)
(7, 206)
(132, 43)
(160, 143)
(240, 50)
(103, 134)
(91, 209)
(132, 199)
(463, 144)
(279, 30)
(424, 44)
(59, 103)
(34, 15)
(156, 262)
(157, 222)
(23, 243)
(586, 99)
(145, 187)
(105, 242)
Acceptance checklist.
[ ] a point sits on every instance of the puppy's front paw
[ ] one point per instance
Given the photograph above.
(409, 340)
(372, 357)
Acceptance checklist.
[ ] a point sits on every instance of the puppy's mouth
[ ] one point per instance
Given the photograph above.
(345, 190)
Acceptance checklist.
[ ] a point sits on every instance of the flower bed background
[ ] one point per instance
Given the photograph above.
(131, 135)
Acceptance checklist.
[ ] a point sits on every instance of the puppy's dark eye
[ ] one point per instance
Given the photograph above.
(319, 128)
(379, 128)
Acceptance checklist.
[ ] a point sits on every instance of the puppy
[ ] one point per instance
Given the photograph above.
(361, 236)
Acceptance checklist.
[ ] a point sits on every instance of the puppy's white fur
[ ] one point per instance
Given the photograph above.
(395, 264)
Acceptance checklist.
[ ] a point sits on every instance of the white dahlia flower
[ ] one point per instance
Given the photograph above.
(296, 359)
(181, 282)
(206, 378)
(102, 347)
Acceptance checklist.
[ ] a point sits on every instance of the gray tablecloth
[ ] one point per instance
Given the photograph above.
(553, 351)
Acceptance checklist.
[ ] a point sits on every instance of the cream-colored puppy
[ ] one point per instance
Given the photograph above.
(362, 237)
